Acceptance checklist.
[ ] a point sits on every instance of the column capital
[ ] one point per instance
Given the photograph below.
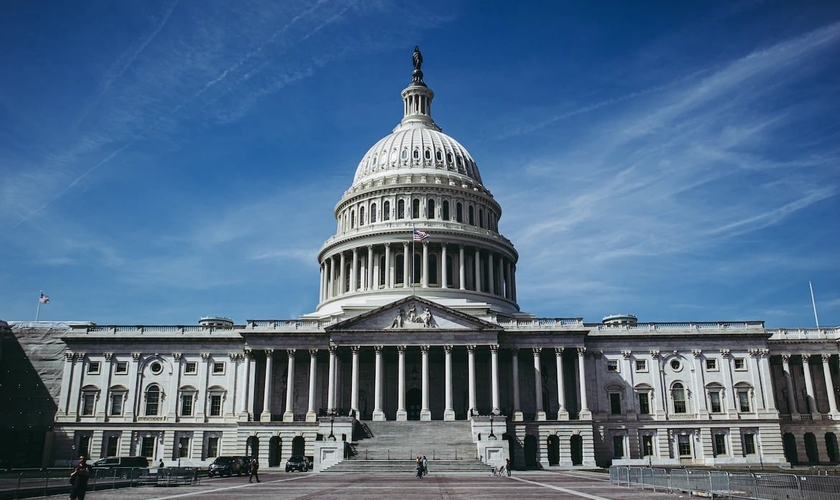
(401, 348)
(806, 357)
(205, 356)
(626, 354)
(697, 352)
(69, 356)
(765, 353)
(559, 350)
(248, 352)
(725, 353)
(378, 348)
(291, 352)
(424, 349)
(471, 348)
(448, 348)
(755, 353)
(581, 351)
(109, 355)
(268, 352)
(333, 348)
(654, 354)
(785, 358)
(355, 348)
(536, 350)
(494, 348)
(135, 355)
(826, 357)
(313, 352)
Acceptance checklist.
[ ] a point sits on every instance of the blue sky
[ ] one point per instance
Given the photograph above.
(164, 160)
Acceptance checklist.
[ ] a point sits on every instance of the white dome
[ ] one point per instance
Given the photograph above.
(416, 147)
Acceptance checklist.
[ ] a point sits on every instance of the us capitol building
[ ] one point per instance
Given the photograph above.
(418, 334)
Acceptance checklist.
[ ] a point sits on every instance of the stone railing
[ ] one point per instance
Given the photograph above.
(543, 323)
(691, 326)
(805, 334)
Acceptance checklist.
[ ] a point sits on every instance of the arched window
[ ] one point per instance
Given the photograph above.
(386, 210)
(480, 218)
(445, 209)
(152, 400)
(361, 216)
(401, 209)
(415, 209)
(404, 154)
(416, 154)
(459, 212)
(352, 219)
(428, 154)
(373, 213)
(438, 155)
(430, 208)
(472, 215)
(678, 394)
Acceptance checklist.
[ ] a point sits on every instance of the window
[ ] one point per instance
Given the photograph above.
(84, 445)
(212, 447)
(401, 209)
(459, 212)
(190, 368)
(480, 218)
(416, 154)
(112, 446)
(415, 209)
(427, 154)
(430, 208)
(740, 364)
(678, 393)
(404, 154)
(676, 365)
(684, 445)
(187, 404)
(183, 447)
(386, 210)
(714, 401)
(744, 401)
(720, 444)
(215, 405)
(373, 213)
(352, 219)
(612, 365)
(618, 446)
(471, 212)
(445, 209)
(152, 401)
(641, 365)
(615, 403)
(93, 368)
(147, 446)
(644, 403)
(749, 444)
(156, 367)
(121, 367)
(711, 365)
(218, 368)
(117, 399)
(647, 446)
(361, 216)
(88, 403)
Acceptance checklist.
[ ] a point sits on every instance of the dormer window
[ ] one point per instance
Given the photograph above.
(416, 154)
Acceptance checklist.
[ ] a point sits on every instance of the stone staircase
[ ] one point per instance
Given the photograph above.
(392, 446)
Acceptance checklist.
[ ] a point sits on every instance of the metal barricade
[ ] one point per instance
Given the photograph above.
(741, 485)
(819, 487)
(719, 483)
(634, 475)
(679, 480)
(700, 481)
(777, 487)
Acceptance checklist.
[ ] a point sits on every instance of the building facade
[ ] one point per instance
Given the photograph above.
(418, 320)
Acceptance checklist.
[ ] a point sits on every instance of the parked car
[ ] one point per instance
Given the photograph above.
(298, 462)
(246, 464)
(225, 466)
(114, 462)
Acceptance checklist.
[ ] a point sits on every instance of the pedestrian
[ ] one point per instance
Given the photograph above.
(507, 466)
(419, 467)
(160, 464)
(254, 466)
(79, 479)
(425, 465)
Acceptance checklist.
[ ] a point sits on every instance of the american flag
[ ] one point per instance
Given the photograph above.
(44, 299)
(420, 235)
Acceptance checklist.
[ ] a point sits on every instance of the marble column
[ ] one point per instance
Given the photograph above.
(354, 381)
(311, 415)
(829, 384)
(407, 258)
(389, 276)
(517, 406)
(252, 382)
(755, 374)
(425, 271)
(354, 273)
(699, 383)
(449, 411)
(477, 270)
(660, 392)
(444, 267)
(401, 412)
(562, 411)
(289, 414)
(491, 277)
(494, 378)
(331, 292)
(378, 413)
(471, 378)
(809, 385)
(726, 368)
(425, 412)
(269, 371)
(540, 416)
(369, 268)
(791, 396)
(342, 275)
(246, 386)
(331, 382)
(767, 379)
(584, 406)
(461, 269)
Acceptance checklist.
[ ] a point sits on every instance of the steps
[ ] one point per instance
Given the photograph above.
(471, 466)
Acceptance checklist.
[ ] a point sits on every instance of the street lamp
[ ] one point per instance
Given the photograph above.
(492, 436)
(331, 437)
(180, 447)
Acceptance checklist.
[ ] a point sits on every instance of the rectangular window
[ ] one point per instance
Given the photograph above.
(647, 446)
(190, 367)
(615, 403)
(215, 405)
(218, 368)
(88, 403)
(618, 446)
(714, 399)
(749, 444)
(641, 365)
(740, 364)
(744, 401)
(183, 447)
(212, 447)
(147, 446)
(117, 403)
(93, 368)
(711, 365)
(720, 444)
(112, 446)
(121, 367)
(684, 445)
(186, 405)
(612, 365)
(84, 446)
(644, 403)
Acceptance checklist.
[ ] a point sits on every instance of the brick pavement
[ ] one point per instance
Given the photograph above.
(537, 485)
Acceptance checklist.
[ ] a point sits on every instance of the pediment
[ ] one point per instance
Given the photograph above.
(412, 314)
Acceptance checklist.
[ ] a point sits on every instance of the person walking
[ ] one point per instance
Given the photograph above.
(79, 480)
(254, 466)
(507, 466)
(419, 467)
(425, 465)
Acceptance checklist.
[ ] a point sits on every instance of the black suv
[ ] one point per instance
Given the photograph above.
(297, 462)
(225, 466)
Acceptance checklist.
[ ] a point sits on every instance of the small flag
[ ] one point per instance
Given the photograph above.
(420, 235)
(44, 299)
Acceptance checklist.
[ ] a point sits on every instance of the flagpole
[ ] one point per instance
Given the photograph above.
(814, 304)
(38, 310)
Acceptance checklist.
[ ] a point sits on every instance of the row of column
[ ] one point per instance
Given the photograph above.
(501, 271)
(425, 411)
(809, 384)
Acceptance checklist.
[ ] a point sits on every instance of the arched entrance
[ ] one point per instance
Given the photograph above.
(531, 450)
(298, 446)
(831, 447)
(789, 445)
(275, 447)
(413, 400)
(252, 446)
(576, 444)
(553, 444)
(811, 448)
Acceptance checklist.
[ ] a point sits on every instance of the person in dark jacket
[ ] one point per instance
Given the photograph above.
(255, 465)
(79, 480)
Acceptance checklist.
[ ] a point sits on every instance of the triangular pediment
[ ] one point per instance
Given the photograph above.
(411, 314)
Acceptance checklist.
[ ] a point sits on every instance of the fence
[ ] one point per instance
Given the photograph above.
(729, 485)
(28, 483)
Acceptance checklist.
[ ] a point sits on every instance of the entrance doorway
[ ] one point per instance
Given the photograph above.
(553, 450)
(576, 444)
(298, 446)
(531, 450)
(811, 448)
(789, 444)
(413, 401)
(275, 447)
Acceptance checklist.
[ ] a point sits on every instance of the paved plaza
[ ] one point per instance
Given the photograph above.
(557, 485)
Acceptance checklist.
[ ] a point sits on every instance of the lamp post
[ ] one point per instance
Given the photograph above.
(331, 437)
(72, 454)
(180, 447)
(492, 436)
